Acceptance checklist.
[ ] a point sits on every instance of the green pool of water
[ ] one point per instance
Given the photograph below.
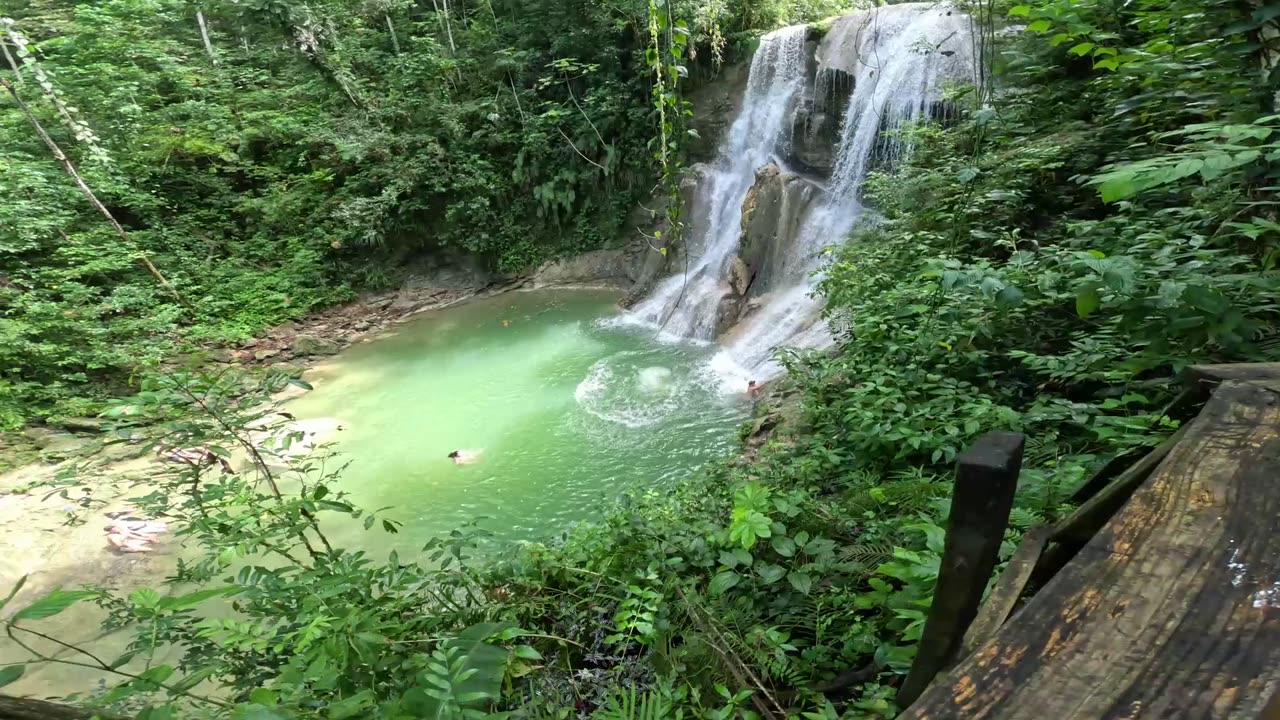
(565, 413)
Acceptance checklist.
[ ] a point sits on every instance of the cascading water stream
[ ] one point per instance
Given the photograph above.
(896, 58)
(903, 54)
(685, 306)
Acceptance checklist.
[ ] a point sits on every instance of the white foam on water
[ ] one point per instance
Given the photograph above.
(619, 391)
(655, 379)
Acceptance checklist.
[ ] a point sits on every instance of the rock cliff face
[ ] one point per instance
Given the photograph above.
(772, 214)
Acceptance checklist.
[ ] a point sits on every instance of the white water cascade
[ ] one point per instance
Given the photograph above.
(687, 309)
(898, 58)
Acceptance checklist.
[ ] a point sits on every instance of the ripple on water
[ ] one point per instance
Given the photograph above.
(625, 389)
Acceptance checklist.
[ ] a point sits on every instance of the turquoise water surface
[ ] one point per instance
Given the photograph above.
(563, 412)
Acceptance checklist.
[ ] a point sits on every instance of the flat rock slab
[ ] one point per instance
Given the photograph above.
(1171, 611)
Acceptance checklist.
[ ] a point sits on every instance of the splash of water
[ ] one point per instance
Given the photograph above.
(686, 307)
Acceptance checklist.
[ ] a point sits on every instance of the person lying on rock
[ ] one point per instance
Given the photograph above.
(198, 457)
(128, 539)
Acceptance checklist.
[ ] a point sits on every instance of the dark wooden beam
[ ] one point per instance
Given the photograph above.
(986, 479)
(1074, 531)
(1004, 596)
(1172, 610)
(1205, 378)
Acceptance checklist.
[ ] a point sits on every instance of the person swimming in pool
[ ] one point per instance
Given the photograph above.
(464, 457)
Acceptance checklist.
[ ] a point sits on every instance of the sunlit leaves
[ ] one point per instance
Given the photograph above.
(10, 674)
(54, 603)
(1088, 301)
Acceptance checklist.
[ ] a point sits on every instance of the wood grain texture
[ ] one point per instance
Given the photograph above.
(1171, 611)
(1205, 378)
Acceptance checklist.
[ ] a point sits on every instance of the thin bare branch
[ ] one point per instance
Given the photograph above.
(93, 199)
(575, 149)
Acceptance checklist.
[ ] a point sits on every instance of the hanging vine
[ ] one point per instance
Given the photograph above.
(668, 46)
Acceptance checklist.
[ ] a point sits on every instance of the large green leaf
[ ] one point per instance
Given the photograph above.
(723, 581)
(1087, 301)
(483, 668)
(802, 582)
(195, 598)
(53, 603)
(10, 673)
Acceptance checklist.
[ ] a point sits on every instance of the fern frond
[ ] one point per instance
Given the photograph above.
(1023, 518)
(866, 557)
(627, 705)
(903, 497)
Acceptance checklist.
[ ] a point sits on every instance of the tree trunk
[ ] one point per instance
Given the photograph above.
(12, 708)
(88, 193)
(443, 16)
(204, 35)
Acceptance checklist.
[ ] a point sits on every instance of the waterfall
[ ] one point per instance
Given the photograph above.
(687, 309)
(898, 58)
(900, 63)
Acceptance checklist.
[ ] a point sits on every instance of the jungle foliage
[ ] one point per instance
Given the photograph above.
(271, 156)
(1100, 217)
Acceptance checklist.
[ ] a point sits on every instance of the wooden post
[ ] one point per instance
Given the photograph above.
(986, 479)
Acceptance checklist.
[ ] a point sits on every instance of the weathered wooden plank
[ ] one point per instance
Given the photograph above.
(1004, 596)
(1205, 378)
(1172, 611)
(1072, 532)
(986, 480)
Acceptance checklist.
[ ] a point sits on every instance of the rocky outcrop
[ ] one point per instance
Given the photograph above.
(651, 251)
(739, 277)
(771, 217)
(306, 345)
(716, 102)
(57, 447)
(84, 424)
(727, 313)
(839, 54)
(600, 266)
(815, 129)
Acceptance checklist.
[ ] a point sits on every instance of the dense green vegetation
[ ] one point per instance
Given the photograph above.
(309, 150)
(1099, 218)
